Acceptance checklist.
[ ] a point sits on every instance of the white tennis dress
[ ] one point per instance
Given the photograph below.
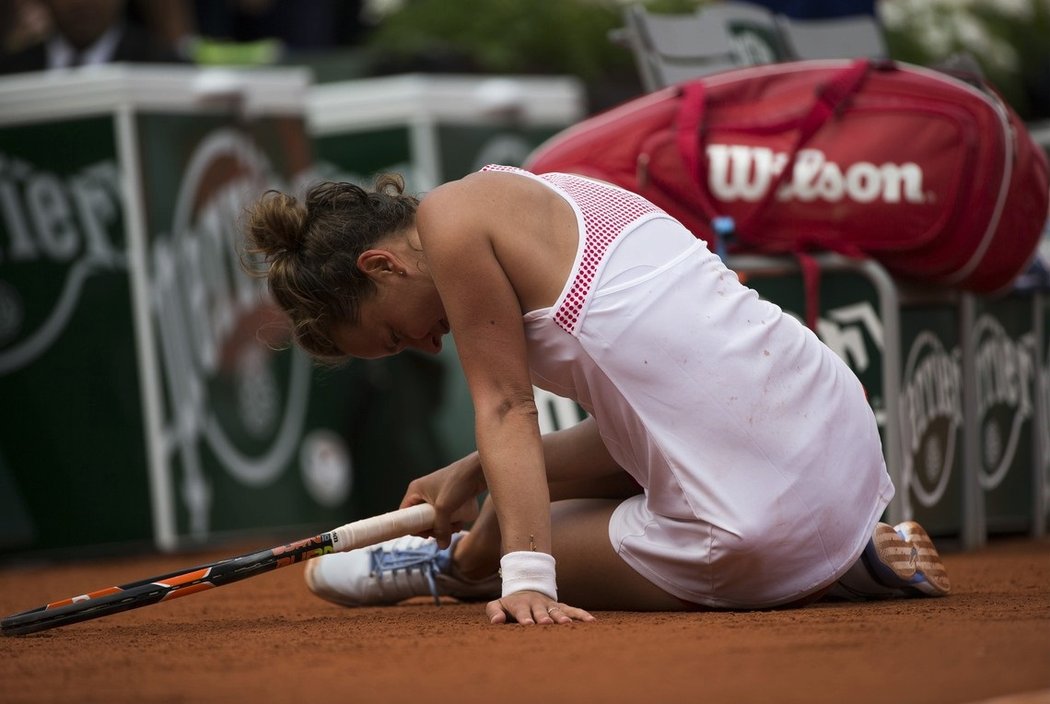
(757, 450)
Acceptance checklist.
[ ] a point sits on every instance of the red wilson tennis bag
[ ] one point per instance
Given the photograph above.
(931, 175)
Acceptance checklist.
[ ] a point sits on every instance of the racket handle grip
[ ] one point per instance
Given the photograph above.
(386, 526)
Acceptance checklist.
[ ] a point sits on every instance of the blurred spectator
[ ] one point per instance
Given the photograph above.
(84, 33)
(300, 25)
(816, 9)
(23, 23)
(170, 21)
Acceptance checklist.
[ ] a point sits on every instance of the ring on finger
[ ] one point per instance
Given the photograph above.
(552, 609)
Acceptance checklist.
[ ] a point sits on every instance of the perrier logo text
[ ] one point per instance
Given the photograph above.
(930, 418)
(56, 231)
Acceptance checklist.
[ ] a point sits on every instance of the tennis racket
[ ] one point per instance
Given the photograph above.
(112, 600)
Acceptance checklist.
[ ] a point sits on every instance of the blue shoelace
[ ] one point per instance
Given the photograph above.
(426, 559)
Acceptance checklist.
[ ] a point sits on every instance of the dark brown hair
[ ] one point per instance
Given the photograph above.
(308, 251)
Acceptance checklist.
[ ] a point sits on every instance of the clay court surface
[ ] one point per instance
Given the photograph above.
(267, 640)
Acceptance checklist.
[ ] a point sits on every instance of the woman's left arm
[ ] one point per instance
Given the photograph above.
(486, 320)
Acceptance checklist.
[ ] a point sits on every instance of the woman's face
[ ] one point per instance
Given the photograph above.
(404, 312)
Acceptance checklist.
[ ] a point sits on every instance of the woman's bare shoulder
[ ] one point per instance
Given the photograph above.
(478, 183)
(473, 198)
(506, 217)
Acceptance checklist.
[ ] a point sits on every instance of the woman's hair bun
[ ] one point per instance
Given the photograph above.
(308, 251)
(275, 225)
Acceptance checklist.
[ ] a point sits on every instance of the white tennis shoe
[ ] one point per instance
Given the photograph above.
(393, 571)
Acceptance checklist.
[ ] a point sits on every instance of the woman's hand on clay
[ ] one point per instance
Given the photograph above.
(529, 607)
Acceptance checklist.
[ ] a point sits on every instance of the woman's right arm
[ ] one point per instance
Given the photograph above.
(575, 457)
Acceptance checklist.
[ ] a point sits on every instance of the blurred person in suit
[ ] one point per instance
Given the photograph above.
(22, 23)
(88, 33)
(301, 26)
(819, 9)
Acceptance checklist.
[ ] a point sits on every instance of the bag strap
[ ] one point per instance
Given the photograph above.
(829, 99)
(688, 126)
(809, 268)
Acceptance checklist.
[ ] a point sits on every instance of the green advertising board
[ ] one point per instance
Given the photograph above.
(150, 393)
(1041, 329)
(71, 424)
(1004, 423)
(1041, 485)
(239, 438)
(932, 385)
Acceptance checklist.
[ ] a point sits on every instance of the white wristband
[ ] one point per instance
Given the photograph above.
(532, 571)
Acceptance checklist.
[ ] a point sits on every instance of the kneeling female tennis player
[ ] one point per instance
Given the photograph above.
(729, 458)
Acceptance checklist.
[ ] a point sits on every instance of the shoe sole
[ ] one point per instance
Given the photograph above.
(895, 552)
(928, 562)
